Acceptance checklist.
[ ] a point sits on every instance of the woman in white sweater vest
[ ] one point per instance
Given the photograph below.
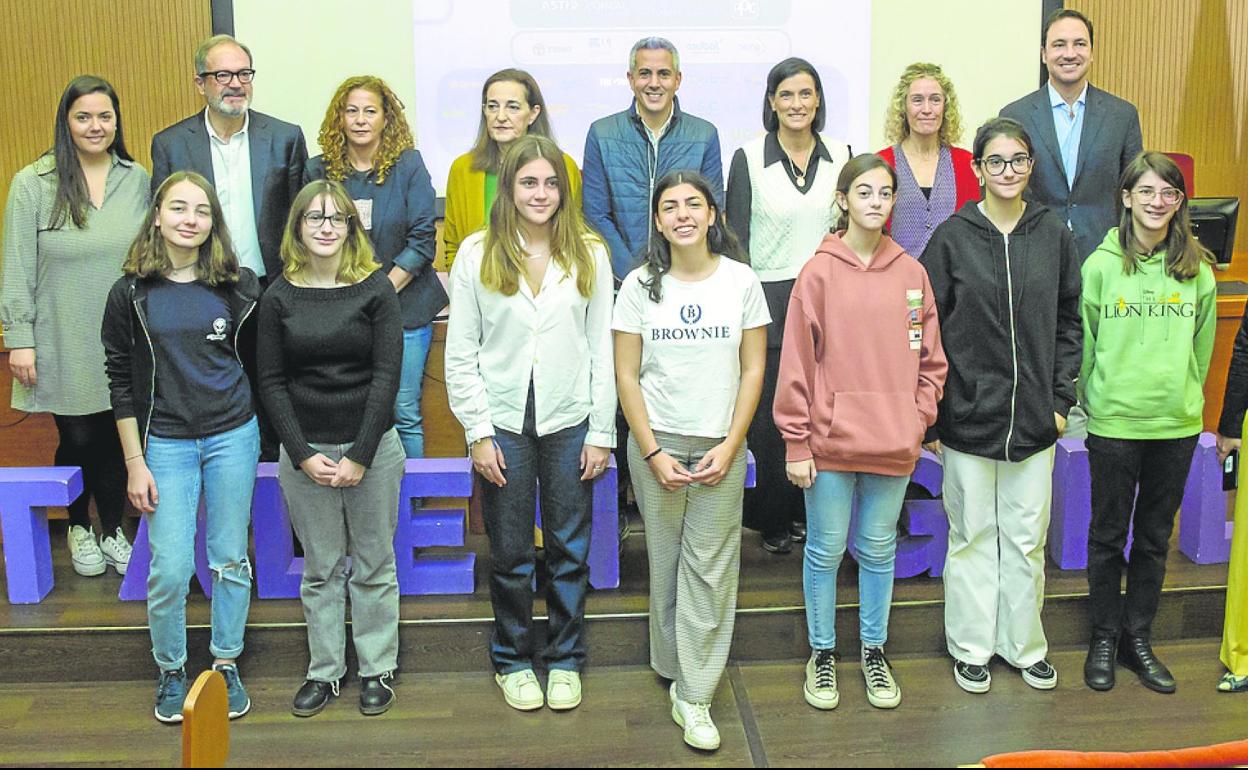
(780, 192)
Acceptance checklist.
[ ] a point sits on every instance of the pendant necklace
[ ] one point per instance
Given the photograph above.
(798, 176)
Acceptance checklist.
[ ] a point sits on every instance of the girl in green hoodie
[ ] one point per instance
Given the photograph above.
(1149, 311)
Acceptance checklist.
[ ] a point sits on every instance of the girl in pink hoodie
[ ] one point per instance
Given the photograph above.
(861, 373)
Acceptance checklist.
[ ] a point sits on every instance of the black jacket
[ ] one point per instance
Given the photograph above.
(1009, 322)
(128, 356)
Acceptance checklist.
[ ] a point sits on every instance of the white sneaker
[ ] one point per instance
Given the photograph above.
(820, 690)
(85, 553)
(563, 690)
(695, 718)
(882, 689)
(116, 549)
(521, 690)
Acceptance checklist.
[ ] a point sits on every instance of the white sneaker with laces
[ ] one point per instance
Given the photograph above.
(695, 718)
(563, 689)
(85, 553)
(521, 690)
(882, 689)
(820, 690)
(116, 549)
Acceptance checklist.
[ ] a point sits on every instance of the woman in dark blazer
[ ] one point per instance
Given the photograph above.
(367, 146)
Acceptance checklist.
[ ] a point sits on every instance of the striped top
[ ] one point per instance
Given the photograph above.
(56, 281)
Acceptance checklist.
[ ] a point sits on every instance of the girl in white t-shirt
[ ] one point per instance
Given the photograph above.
(690, 345)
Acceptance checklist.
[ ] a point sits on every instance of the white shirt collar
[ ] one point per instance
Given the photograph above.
(1056, 100)
(213, 133)
(663, 128)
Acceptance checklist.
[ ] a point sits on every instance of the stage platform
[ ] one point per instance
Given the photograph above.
(82, 632)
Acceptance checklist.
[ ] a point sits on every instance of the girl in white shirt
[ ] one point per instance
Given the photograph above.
(529, 375)
(690, 343)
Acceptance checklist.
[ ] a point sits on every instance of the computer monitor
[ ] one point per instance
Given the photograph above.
(1213, 222)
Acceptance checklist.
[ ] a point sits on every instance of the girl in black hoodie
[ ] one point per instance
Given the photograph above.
(1005, 275)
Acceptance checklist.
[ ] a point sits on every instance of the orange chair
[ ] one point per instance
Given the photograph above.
(206, 723)
(1186, 164)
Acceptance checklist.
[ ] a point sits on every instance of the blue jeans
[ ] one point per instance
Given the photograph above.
(407, 418)
(223, 468)
(829, 504)
(509, 514)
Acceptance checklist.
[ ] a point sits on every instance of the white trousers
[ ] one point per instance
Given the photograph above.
(994, 574)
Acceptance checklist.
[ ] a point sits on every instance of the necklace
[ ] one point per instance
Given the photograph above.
(181, 270)
(537, 256)
(798, 176)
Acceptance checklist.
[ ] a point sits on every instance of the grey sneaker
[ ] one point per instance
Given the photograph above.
(170, 695)
(84, 552)
(882, 689)
(239, 702)
(820, 690)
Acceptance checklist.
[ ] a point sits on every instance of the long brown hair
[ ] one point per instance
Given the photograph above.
(486, 154)
(357, 253)
(148, 256)
(570, 238)
(1184, 253)
(396, 135)
(72, 198)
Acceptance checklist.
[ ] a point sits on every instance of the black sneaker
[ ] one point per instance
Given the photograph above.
(779, 544)
(971, 677)
(797, 531)
(1040, 675)
(376, 694)
(313, 697)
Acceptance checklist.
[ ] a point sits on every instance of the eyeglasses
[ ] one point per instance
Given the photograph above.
(315, 219)
(1146, 195)
(223, 77)
(995, 164)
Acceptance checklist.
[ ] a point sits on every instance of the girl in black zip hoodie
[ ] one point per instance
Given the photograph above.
(1005, 275)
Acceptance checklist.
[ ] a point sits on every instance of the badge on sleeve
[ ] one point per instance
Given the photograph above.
(914, 316)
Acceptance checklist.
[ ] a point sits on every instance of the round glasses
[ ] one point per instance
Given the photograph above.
(995, 164)
(1146, 195)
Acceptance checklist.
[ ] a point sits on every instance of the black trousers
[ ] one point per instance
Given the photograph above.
(774, 502)
(1158, 468)
(91, 443)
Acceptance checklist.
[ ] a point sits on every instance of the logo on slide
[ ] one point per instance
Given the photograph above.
(691, 314)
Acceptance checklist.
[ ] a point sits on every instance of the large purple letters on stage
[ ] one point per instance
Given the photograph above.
(1204, 533)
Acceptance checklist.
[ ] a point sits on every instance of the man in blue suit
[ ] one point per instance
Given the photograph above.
(1084, 137)
(626, 153)
(254, 161)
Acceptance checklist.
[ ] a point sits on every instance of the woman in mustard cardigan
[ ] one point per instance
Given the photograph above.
(511, 106)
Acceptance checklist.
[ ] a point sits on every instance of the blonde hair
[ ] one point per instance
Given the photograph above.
(896, 128)
(571, 237)
(148, 254)
(396, 134)
(357, 253)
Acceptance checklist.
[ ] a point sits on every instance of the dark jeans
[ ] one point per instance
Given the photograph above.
(90, 442)
(774, 502)
(509, 513)
(1159, 468)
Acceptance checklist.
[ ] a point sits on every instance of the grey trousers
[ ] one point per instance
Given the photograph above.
(348, 550)
(693, 541)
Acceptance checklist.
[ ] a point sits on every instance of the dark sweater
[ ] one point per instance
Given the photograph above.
(1008, 373)
(1235, 402)
(329, 364)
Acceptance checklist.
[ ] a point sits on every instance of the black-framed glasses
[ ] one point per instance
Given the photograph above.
(315, 219)
(223, 77)
(995, 164)
(1146, 195)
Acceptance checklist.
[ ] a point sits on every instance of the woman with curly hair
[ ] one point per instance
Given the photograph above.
(511, 107)
(934, 178)
(367, 145)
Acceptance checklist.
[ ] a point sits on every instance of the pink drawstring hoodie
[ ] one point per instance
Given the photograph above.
(862, 368)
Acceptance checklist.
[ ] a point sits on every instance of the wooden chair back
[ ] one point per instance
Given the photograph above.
(206, 722)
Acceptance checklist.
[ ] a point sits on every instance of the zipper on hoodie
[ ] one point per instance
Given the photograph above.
(151, 399)
(238, 328)
(1009, 287)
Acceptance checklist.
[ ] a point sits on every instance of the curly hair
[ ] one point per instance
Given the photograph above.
(896, 127)
(396, 135)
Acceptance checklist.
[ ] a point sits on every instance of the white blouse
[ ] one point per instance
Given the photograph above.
(558, 340)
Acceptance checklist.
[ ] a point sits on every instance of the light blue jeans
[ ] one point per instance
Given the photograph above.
(223, 468)
(407, 418)
(830, 502)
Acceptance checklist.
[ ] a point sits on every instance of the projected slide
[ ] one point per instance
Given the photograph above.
(578, 52)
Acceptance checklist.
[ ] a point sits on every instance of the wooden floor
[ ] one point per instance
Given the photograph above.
(460, 720)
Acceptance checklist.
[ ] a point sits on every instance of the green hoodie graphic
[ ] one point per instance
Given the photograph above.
(1147, 340)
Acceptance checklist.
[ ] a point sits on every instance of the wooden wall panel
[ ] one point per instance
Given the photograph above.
(1184, 64)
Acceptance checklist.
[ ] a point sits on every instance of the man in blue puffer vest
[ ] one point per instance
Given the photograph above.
(627, 152)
